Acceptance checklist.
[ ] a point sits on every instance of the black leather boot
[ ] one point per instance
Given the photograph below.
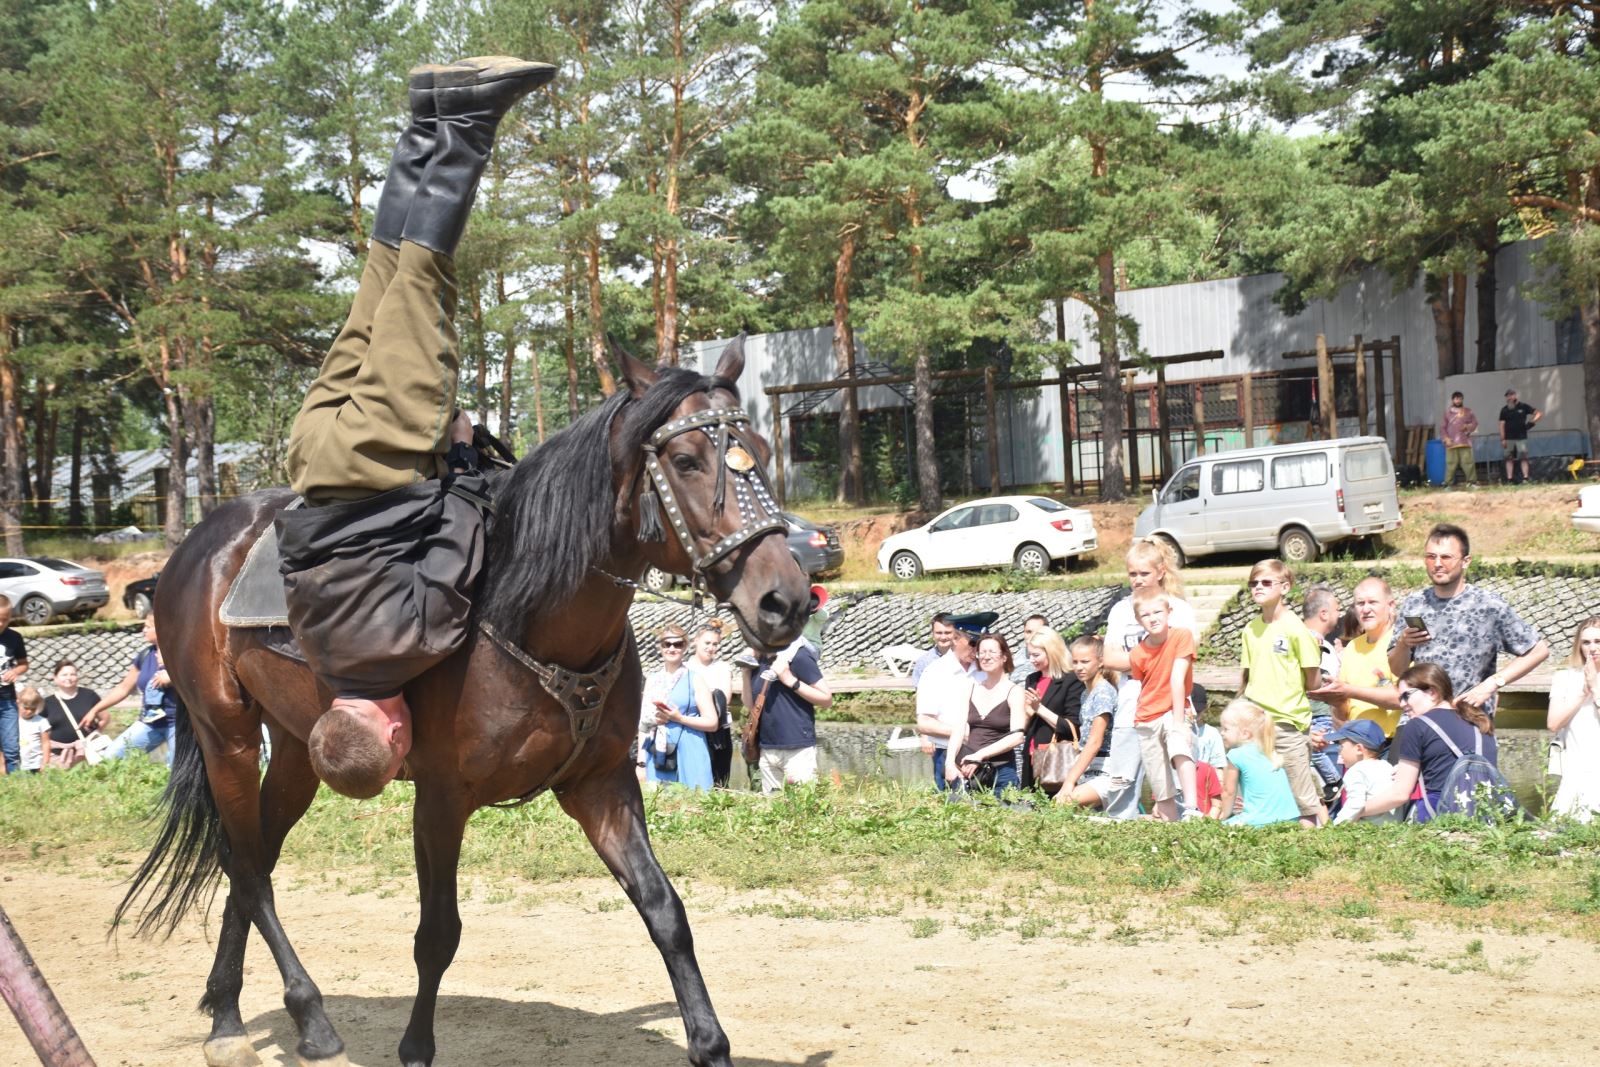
(469, 101)
(411, 155)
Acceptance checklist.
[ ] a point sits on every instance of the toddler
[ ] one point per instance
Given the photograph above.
(1255, 770)
(1365, 774)
(1163, 666)
(34, 730)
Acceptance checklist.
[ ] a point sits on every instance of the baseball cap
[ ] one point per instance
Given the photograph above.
(1362, 732)
(1511, 392)
(819, 598)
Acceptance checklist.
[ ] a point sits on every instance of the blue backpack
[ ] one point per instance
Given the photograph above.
(1474, 787)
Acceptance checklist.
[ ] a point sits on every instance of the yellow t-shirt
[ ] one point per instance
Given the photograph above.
(1277, 655)
(1366, 663)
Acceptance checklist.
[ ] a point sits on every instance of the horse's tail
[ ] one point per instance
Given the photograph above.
(184, 865)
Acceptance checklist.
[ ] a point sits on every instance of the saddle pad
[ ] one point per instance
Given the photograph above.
(256, 597)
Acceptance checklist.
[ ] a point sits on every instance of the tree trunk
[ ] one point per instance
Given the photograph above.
(480, 381)
(75, 517)
(10, 446)
(177, 478)
(508, 361)
(1488, 320)
(201, 414)
(1438, 298)
(1589, 315)
(44, 452)
(597, 325)
(1113, 483)
(569, 344)
(1458, 322)
(928, 495)
(851, 489)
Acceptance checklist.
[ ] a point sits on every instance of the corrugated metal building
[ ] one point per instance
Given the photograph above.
(1537, 355)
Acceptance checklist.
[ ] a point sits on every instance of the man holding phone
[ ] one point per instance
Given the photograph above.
(1463, 628)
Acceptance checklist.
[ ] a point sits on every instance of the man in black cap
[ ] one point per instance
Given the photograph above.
(939, 703)
(380, 564)
(1515, 418)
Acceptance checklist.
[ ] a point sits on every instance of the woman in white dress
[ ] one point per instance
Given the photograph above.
(1574, 724)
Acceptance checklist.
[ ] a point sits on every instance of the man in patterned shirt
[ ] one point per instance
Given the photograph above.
(1464, 628)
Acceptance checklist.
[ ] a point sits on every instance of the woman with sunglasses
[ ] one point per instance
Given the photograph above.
(1425, 757)
(1574, 723)
(676, 716)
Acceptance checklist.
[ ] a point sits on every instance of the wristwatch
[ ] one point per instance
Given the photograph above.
(1499, 680)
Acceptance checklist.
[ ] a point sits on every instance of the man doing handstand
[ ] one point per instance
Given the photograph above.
(380, 563)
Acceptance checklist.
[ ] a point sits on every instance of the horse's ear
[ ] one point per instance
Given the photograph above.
(639, 376)
(731, 363)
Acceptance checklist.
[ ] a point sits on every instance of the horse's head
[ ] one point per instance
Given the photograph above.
(695, 496)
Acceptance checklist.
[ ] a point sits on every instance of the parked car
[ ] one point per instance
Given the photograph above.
(1587, 517)
(140, 595)
(42, 587)
(1297, 499)
(815, 548)
(1027, 532)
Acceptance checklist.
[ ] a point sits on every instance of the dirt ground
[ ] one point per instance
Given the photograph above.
(566, 976)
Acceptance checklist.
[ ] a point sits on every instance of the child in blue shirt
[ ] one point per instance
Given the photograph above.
(1255, 771)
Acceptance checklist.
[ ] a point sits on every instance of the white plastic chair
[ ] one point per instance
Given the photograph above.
(900, 658)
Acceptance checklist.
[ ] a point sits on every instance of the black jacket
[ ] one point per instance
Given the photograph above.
(1063, 697)
(380, 589)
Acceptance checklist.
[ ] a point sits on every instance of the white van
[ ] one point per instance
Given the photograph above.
(1297, 499)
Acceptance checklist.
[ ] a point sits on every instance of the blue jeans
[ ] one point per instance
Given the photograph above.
(143, 737)
(8, 735)
(1323, 762)
(938, 766)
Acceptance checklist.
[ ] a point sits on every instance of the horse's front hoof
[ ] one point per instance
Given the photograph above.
(336, 1060)
(232, 1051)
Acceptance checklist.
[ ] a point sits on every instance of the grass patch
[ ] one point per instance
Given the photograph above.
(876, 850)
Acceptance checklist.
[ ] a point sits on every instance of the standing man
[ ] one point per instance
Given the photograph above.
(1463, 628)
(789, 716)
(1515, 418)
(13, 665)
(1366, 686)
(940, 703)
(1030, 626)
(944, 632)
(1456, 429)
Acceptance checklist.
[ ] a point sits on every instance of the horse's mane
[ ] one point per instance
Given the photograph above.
(555, 507)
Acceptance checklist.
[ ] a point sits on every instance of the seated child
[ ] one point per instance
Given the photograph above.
(33, 729)
(1111, 786)
(1255, 771)
(1366, 773)
(1163, 665)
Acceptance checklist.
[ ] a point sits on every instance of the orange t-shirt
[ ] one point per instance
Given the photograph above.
(1152, 669)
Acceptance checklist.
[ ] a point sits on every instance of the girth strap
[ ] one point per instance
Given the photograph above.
(581, 695)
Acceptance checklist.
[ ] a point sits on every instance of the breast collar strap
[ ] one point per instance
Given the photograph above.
(581, 695)
(758, 511)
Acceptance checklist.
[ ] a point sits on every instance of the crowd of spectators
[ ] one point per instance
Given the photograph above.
(1369, 714)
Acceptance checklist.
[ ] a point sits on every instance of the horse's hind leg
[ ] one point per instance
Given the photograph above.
(611, 812)
(256, 815)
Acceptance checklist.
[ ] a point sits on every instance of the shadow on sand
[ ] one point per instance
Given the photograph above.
(488, 1032)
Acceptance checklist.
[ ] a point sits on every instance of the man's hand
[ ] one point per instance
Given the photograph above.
(11, 674)
(1411, 637)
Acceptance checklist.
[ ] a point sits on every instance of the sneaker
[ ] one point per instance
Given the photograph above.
(1191, 813)
(1330, 792)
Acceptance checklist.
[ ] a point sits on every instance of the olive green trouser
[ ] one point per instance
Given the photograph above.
(1459, 458)
(377, 417)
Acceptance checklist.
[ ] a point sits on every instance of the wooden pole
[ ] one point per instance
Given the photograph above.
(1399, 399)
(1380, 402)
(1164, 426)
(777, 450)
(1066, 435)
(1361, 385)
(38, 1012)
(1199, 419)
(1327, 411)
(1247, 408)
(991, 428)
(1133, 433)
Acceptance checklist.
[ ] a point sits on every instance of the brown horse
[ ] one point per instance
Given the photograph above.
(497, 721)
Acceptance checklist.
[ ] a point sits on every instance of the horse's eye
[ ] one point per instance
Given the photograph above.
(685, 464)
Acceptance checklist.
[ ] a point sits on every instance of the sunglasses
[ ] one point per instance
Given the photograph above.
(1407, 694)
(674, 643)
(1262, 581)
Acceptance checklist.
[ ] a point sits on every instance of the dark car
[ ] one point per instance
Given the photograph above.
(138, 596)
(815, 548)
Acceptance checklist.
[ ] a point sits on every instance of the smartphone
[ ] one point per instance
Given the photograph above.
(1416, 622)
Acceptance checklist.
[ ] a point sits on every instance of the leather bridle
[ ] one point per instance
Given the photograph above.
(752, 493)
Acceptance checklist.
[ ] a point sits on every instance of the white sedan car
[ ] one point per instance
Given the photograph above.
(1587, 517)
(1026, 532)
